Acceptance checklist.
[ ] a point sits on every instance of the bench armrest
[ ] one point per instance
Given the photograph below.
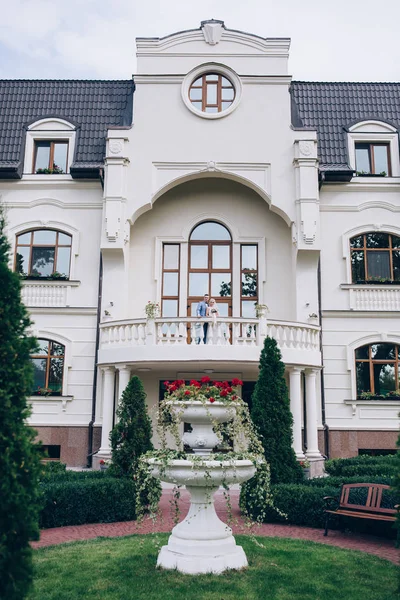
(328, 500)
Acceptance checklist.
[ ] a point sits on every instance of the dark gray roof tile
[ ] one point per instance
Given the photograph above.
(331, 108)
(92, 106)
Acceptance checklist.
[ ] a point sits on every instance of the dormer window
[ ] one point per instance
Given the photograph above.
(50, 157)
(50, 147)
(373, 159)
(374, 150)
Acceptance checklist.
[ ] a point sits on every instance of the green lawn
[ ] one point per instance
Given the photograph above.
(125, 569)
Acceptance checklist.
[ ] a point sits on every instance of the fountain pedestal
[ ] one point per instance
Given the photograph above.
(202, 543)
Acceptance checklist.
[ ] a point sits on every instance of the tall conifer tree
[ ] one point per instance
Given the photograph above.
(271, 414)
(19, 459)
(131, 436)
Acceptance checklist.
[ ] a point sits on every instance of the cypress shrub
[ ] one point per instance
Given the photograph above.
(271, 414)
(131, 436)
(19, 464)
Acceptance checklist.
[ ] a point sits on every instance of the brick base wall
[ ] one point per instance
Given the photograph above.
(345, 444)
(73, 442)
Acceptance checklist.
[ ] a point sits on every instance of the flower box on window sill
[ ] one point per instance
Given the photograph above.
(377, 397)
(48, 278)
(376, 282)
(383, 174)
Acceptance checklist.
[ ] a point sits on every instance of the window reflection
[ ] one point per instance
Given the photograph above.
(210, 231)
(374, 258)
(43, 253)
(48, 368)
(377, 369)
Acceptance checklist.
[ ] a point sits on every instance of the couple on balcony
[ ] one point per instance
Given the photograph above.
(206, 308)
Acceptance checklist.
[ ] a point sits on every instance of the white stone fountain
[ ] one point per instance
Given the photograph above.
(202, 543)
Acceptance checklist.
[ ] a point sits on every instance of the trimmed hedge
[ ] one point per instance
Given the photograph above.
(82, 499)
(337, 482)
(362, 465)
(304, 505)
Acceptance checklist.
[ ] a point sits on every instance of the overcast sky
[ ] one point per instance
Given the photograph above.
(336, 40)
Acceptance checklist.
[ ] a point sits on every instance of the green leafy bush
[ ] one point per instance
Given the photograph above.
(79, 500)
(53, 477)
(304, 503)
(339, 481)
(362, 465)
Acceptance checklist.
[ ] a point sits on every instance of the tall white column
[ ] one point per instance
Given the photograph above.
(295, 407)
(312, 414)
(123, 380)
(108, 407)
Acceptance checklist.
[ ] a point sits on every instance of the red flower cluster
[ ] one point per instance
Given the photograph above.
(212, 390)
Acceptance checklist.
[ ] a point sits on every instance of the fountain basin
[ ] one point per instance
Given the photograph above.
(208, 473)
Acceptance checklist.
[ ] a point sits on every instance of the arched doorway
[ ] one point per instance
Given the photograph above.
(210, 267)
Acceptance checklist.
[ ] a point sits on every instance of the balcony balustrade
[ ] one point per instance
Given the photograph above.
(375, 298)
(227, 338)
(48, 294)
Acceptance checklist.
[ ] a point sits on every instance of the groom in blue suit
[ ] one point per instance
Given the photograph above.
(201, 311)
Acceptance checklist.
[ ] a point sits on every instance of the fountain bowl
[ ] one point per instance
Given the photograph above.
(207, 473)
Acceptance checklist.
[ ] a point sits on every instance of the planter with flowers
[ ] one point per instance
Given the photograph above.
(152, 310)
(202, 543)
(305, 465)
(104, 464)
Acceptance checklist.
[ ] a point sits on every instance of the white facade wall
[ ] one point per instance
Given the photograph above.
(254, 173)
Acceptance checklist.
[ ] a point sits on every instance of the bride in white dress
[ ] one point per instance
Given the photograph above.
(212, 310)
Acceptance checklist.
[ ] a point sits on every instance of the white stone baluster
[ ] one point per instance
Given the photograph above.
(236, 334)
(193, 333)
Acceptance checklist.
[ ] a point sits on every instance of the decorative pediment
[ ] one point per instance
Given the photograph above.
(212, 31)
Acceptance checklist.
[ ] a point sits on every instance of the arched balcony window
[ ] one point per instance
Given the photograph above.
(377, 370)
(210, 267)
(43, 254)
(375, 258)
(48, 367)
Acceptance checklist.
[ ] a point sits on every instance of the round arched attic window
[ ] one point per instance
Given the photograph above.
(211, 91)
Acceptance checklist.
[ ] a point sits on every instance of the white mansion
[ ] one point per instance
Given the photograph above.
(211, 172)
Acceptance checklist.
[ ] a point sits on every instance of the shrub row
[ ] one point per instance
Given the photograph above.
(337, 482)
(304, 503)
(360, 465)
(98, 499)
(60, 476)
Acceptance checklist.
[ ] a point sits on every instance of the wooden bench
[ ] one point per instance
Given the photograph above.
(371, 509)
